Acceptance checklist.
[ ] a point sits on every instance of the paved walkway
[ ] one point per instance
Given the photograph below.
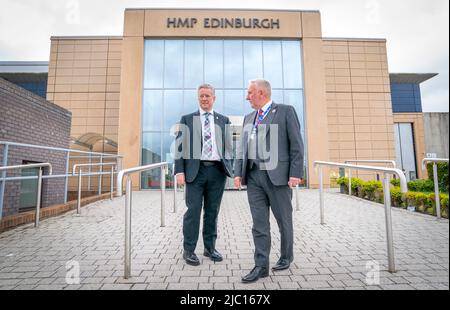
(343, 254)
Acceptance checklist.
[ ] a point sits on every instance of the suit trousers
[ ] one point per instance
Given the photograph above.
(205, 191)
(263, 196)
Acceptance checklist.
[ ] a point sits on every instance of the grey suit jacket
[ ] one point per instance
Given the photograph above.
(190, 142)
(284, 147)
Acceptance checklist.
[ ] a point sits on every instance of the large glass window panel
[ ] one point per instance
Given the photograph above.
(292, 66)
(173, 108)
(152, 110)
(193, 75)
(154, 63)
(173, 64)
(218, 105)
(277, 96)
(295, 98)
(273, 64)
(233, 64)
(190, 102)
(151, 154)
(234, 102)
(253, 61)
(214, 63)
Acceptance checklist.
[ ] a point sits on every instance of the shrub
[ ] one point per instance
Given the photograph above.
(395, 182)
(397, 198)
(424, 186)
(368, 189)
(442, 175)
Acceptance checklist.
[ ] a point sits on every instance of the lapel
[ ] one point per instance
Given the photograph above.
(218, 121)
(197, 127)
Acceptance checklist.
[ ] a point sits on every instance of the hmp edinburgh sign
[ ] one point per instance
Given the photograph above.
(224, 23)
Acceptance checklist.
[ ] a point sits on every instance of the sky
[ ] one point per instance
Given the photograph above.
(417, 31)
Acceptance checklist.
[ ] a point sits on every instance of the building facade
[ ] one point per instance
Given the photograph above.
(28, 118)
(131, 90)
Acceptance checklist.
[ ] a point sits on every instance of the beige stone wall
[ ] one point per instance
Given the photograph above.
(84, 77)
(360, 118)
(416, 119)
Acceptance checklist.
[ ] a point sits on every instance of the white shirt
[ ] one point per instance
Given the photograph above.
(264, 108)
(215, 153)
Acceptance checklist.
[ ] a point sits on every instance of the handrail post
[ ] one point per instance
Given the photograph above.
(322, 216)
(100, 177)
(128, 205)
(79, 192)
(436, 190)
(350, 182)
(38, 201)
(3, 186)
(175, 189)
(297, 198)
(163, 196)
(388, 216)
(112, 182)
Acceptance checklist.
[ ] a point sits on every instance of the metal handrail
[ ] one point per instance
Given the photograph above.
(366, 161)
(6, 145)
(38, 199)
(128, 205)
(436, 180)
(387, 198)
(80, 174)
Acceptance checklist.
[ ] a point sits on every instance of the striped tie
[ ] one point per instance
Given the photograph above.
(207, 142)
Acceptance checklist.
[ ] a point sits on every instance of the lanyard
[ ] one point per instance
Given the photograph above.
(260, 119)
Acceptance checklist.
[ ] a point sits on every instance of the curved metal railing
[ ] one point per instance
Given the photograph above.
(128, 204)
(387, 198)
(368, 161)
(436, 180)
(80, 174)
(38, 199)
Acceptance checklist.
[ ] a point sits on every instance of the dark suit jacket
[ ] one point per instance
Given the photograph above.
(286, 152)
(190, 142)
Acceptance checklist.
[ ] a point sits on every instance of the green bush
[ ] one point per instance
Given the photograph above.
(424, 186)
(442, 175)
(423, 202)
(395, 182)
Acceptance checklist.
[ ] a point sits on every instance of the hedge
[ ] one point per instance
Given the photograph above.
(423, 202)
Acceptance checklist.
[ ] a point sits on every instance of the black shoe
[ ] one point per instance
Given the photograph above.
(282, 264)
(213, 255)
(256, 274)
(191, 258)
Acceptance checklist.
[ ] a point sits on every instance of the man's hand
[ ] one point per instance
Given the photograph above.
(181, 179)
(294, 182)
(238, 182)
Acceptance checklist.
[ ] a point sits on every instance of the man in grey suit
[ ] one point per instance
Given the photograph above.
(270, 162)
(203, 163)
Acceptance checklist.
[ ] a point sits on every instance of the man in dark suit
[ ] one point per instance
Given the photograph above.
(203, 163)
(270, 162)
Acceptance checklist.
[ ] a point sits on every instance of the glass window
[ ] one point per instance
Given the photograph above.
(292, 66)
(175, 68)
(234, 102)
(193, 75)
(152, 110)
(154, 64)
(214, 63)
(173, 64)
(233, 64)
(151, 154)
(273, 64)
(253, 62)
(173, 107)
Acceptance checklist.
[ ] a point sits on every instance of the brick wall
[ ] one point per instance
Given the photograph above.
(28, 118)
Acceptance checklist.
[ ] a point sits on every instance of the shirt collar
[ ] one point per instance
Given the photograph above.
(203, 112)
(266, 106)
